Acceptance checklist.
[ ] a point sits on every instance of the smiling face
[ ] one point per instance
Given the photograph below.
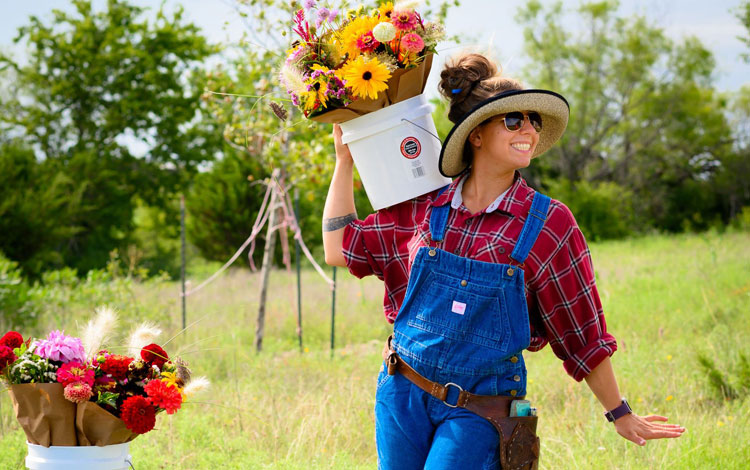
(496, 148)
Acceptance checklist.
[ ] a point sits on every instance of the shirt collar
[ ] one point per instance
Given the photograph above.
(513, 202)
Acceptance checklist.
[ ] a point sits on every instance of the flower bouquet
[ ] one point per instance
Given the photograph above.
(367, 71)
(67, 391)
(343, 66)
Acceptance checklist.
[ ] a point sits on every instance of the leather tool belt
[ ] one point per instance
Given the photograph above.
(519, 444)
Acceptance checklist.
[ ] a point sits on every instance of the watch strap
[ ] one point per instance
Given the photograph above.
(619, 411)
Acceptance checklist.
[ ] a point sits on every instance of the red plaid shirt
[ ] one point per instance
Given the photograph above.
(564, 306)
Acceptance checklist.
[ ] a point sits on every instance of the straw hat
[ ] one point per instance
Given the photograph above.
(552, 107)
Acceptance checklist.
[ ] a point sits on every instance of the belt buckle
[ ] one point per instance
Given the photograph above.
(460, 389)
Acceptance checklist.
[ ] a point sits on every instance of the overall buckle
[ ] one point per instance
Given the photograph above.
(447, 386)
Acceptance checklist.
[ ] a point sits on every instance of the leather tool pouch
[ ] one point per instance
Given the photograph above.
(519, 444)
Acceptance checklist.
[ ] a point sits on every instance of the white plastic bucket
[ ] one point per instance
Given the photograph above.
(114, 457)
(396, 151)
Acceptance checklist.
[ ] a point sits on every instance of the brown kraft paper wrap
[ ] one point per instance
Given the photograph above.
(96, 426)
(402, 85)
(47, 418)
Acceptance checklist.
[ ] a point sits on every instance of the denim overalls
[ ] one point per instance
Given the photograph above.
(462, 322)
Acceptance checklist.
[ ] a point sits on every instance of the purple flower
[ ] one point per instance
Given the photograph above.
(308, 4)
(61, 348)
(332, 14)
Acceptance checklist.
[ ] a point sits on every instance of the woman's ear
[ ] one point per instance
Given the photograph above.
(475, 138)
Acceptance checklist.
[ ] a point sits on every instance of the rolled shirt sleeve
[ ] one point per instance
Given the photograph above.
(568, 304)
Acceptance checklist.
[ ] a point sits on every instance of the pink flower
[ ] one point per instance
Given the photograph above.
(412, 42)
(73, 372)
(61, 348)
(78, 392)
(367, 42)
(404, 20)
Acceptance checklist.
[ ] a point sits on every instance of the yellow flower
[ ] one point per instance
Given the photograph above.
(322, 68)
(669, 357)
(316, 96)
(669, 398)
(386, 9)
(365, 78)
(352, 32)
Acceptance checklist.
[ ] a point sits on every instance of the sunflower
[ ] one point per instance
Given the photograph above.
(366, 78)
(353, 32)
(385, 10)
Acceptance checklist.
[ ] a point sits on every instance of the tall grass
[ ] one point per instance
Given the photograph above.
(667, 299)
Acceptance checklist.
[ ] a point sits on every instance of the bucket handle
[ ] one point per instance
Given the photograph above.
(130, 463)
(415, 124)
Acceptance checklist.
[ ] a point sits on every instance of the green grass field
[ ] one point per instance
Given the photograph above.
(666, 298)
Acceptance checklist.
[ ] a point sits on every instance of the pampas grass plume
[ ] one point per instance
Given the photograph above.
(98, 330)
(196, 385)
(145, 334)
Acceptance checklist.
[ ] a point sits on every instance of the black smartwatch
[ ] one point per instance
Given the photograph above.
(618, 412)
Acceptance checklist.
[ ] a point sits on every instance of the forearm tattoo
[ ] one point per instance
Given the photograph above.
(337, 223)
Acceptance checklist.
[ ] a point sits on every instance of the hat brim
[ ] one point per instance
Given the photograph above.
(552, 107)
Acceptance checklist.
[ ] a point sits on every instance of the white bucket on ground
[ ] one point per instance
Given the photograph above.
(396, 151)
(114, 457)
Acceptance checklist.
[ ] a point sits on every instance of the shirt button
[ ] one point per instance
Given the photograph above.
(516, 378)
(513, 393)
(501, 249)
(463, 283)
(467, 221)
(514, 359)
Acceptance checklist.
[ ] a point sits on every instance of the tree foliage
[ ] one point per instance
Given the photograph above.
(644, 112)
(96, 84)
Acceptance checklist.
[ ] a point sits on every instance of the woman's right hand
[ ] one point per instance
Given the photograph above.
(343, 155)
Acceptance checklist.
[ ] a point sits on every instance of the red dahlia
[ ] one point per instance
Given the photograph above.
(138, 414)
(154, 354)
(12, 339)
(162, 395)
(6, 356)
(116, 365)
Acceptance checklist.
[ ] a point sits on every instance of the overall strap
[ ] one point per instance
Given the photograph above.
(532, 227)
(439, 218)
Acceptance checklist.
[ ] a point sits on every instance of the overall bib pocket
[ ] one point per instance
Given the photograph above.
(461, 311)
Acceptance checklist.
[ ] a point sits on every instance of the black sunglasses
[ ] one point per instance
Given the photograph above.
(514, 120)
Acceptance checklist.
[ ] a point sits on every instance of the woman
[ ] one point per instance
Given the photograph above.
(474, 274)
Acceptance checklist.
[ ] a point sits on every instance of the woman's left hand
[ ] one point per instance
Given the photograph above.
(639, 429)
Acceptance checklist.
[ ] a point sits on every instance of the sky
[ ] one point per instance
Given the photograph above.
(485, 22)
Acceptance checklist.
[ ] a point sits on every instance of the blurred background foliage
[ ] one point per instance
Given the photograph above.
(652, 145)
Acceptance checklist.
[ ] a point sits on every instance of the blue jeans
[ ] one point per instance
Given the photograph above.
(415, 431)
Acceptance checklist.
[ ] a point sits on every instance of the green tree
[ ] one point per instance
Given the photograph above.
(644, 113)
(94, 84)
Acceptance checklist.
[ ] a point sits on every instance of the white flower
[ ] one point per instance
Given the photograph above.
(384, 32)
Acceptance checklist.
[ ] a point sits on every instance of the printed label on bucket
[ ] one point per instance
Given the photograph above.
(411, 148)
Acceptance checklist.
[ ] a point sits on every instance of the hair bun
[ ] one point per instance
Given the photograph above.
(459, 78)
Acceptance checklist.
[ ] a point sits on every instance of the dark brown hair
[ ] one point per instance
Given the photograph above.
(466, 81)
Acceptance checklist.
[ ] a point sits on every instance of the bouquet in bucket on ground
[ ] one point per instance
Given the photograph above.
(344, 65)
(367, 70)
(68, 391)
